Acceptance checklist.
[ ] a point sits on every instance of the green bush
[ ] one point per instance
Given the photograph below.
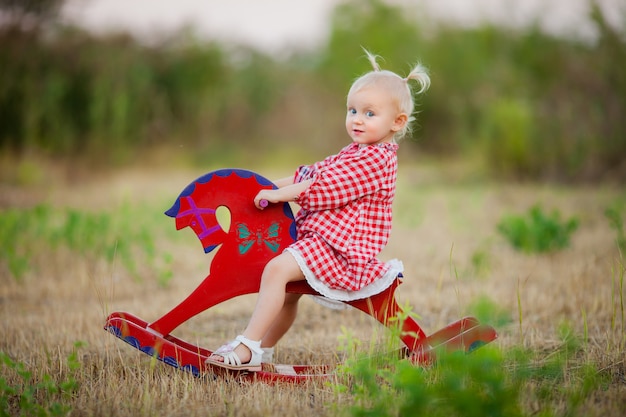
(538, 231)
(487, 382)
(509, 139)
(458, 385)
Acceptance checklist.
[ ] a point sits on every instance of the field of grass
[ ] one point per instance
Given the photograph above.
(56, 354)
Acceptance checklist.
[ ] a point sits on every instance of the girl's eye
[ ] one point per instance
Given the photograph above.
(351, 111)
(369, 113)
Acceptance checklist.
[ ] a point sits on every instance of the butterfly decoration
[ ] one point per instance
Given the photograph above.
(247, 238)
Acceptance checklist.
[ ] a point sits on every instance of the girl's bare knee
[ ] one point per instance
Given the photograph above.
(281, 270)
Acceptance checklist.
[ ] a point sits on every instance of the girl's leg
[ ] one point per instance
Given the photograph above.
(283, 322)
(277, 273)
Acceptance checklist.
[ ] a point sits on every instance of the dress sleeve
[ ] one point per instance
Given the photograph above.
(309, 172)
(304, 172)
(349, 178)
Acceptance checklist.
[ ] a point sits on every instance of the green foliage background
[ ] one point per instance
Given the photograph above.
(525, 104)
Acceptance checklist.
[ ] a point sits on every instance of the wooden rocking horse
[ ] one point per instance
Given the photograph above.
(254, 237)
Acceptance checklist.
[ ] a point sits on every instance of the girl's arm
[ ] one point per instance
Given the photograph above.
(283, 182)
(283, 194)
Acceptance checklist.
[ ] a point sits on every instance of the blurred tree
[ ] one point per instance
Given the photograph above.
(611, 103)
(18, 12)
(381, 28)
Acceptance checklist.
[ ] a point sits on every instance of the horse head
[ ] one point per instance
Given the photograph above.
(251, 229)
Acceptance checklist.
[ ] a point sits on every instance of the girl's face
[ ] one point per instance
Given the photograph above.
(372, 116)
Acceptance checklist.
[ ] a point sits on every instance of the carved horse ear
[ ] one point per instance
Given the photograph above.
(173, 211)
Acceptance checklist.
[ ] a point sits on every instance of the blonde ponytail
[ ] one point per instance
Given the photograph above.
(372, 59)
(420, 74)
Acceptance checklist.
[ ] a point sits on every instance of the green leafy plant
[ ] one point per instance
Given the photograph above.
(457, 385)
(616, 221)
(488, 382)
(36, 396)
(538, 231)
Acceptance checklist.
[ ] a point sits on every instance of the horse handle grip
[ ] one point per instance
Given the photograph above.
(264, 203)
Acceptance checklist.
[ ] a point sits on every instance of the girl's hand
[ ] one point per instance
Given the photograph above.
(267, 195)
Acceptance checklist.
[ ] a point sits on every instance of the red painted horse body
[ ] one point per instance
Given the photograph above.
(252, 239)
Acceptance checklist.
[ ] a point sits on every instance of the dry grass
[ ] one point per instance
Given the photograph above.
(442, 223)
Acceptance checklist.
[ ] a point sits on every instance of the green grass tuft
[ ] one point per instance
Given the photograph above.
(537, 232)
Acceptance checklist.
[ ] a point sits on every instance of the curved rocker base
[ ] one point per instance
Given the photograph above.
(466, 334)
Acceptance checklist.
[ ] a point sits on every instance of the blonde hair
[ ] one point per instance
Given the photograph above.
(396, 86)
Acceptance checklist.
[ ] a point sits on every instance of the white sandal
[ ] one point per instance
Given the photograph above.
(232, 360)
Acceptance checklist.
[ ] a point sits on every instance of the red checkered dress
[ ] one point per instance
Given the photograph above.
(345, 220)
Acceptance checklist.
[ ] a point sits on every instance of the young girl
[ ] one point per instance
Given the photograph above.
(345, 216)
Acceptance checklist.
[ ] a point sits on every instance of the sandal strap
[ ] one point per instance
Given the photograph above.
(253, 345)
(227, 351)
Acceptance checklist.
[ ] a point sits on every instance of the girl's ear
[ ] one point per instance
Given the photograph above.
(400, 121)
